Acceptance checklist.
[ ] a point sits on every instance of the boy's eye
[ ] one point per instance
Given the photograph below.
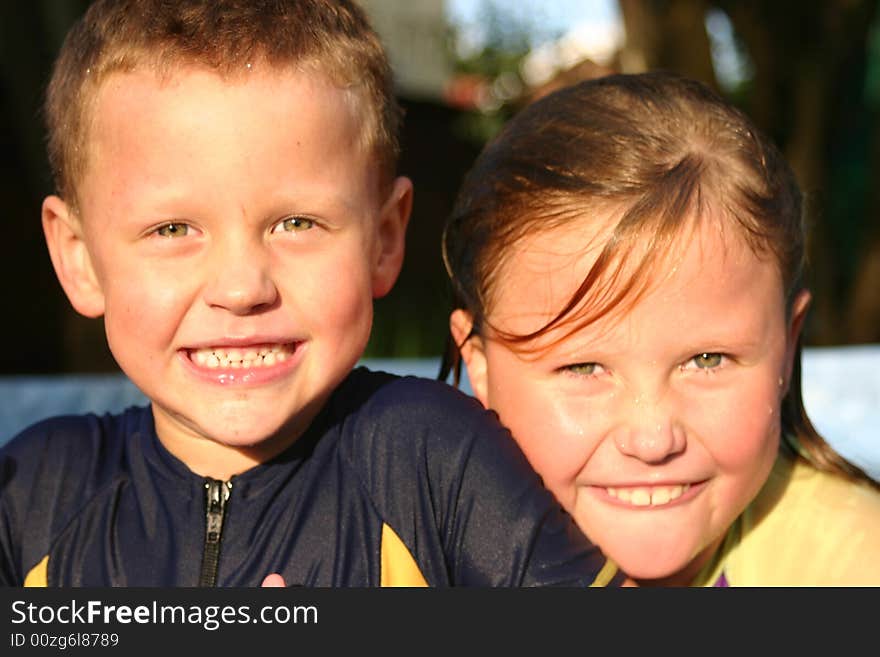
(294, 225)
(173, 230)
(585, 369)
(707, 361)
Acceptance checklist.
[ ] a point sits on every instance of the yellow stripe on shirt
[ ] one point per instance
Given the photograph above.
(38, 575)
(609, 570)
(398, 566)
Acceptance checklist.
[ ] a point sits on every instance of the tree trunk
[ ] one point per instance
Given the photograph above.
(667, 35)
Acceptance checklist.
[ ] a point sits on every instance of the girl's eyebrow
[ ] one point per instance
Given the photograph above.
(578, 346)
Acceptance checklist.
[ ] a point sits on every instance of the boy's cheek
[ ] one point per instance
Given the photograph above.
(148, 311)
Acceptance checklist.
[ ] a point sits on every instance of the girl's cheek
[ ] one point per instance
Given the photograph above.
(565, 437)
(738, 429)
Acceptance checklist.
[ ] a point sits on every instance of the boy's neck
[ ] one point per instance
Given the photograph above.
(220, 461)
(208, 458)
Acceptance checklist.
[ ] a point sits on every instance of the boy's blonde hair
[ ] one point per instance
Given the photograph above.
(664, 149)
(330, 37)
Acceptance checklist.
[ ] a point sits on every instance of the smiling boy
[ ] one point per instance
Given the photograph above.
(241, 221)
(227, 202)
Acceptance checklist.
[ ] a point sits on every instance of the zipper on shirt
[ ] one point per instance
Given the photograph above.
(216, 502)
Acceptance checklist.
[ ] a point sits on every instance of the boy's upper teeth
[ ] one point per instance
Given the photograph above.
(214, 357)
(648, 495)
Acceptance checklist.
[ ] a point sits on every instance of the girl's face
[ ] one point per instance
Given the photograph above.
(657, 424)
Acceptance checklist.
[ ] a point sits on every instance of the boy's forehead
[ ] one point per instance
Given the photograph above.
(147, 102)
(147, 125)
(260, 77)
(120, 94)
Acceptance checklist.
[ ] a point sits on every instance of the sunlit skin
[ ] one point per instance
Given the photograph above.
(229, 214)
(682, 389)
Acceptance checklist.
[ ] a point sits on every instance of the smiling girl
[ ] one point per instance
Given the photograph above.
(627, 259)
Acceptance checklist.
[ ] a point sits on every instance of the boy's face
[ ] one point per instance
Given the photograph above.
(233, 234)
(654, 427)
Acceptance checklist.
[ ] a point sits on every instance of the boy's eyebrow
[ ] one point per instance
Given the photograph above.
(177, 202)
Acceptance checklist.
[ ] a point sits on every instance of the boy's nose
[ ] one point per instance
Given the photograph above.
(241, 281)
(650, 433)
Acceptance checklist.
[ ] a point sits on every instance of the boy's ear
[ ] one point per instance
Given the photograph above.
(472, 351)
(391, 232)
(799, 308)
(71, 258)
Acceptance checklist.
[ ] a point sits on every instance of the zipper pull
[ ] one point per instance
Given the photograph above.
(216, 497)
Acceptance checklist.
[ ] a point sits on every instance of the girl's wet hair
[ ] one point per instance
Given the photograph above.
(660, 149)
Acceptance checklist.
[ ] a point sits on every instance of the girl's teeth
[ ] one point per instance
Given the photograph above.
(660, 496)
(648, 496)
(641, 497)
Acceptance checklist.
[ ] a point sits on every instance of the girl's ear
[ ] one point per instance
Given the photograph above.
(472, 351)
(71, 258)
(391, 233)
(799, 308)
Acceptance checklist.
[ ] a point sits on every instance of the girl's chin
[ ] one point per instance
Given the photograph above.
(665, 564)
(646, 574)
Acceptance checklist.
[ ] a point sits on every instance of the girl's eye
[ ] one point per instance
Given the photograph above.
(707, 361)
(585, 369)
(173, 230)
(294, 225)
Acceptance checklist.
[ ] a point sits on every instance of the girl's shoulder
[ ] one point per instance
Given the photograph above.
(795, 488)
(807, 527)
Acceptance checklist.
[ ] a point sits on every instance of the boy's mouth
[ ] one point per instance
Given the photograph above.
(242, 357)
(648, 495)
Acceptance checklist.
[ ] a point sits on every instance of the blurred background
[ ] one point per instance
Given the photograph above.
(807, 72)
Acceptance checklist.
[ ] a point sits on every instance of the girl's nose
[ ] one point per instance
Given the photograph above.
(241, 281)
(650, 433)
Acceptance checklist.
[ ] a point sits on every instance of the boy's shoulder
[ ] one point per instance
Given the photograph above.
(398, 435)
(64, 436)
(53, 469)
(435, 465)
(383, 393)
(407, 412)
(67, 449)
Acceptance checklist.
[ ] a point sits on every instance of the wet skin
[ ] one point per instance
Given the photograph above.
(231, 217)
(653, 426)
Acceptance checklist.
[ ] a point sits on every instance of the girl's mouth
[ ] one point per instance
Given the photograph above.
(652, 496)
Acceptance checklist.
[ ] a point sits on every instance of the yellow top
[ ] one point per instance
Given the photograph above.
(805, 528)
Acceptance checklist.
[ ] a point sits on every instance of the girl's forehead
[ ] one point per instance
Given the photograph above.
(544, 270)
(545, 247)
